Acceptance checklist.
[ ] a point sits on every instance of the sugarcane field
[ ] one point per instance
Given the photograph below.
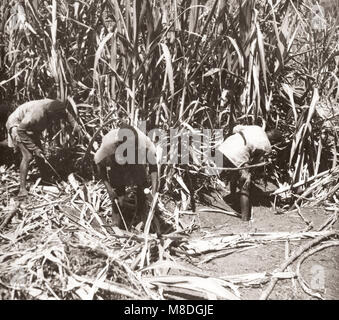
(169, 150)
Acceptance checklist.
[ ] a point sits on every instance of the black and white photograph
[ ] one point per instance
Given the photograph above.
(169, 155)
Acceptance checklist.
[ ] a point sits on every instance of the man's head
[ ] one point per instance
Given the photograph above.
(5, 110)
(56, 110)
(274, 136)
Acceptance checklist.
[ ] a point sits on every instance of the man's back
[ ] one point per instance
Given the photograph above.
(140, 149)
(240, 147)
(33, 115)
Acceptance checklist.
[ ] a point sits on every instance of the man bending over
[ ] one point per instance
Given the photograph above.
(24, 127)
(121, 160)
(246, 146)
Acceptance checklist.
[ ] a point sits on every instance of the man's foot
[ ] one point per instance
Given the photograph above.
(22, 194)
(245, 216)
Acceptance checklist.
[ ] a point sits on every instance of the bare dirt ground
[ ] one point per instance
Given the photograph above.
(269, 256)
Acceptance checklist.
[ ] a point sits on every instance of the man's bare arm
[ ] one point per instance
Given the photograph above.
(102, 170)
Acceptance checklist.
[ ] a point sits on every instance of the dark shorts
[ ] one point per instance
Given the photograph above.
(14, 139)
(125, 175)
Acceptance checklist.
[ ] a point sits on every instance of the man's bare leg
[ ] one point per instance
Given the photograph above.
(245, 205)
(233, 189)
(245, 202)
(141, 200)
(26, 159)
(233, 178)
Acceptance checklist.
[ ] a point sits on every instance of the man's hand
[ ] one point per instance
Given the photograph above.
(39, 153)
(149, 196)
(112, 194)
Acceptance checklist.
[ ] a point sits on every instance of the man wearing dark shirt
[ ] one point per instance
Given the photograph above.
(117, 169)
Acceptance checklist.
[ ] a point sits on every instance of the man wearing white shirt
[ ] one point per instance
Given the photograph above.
(246, 146)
